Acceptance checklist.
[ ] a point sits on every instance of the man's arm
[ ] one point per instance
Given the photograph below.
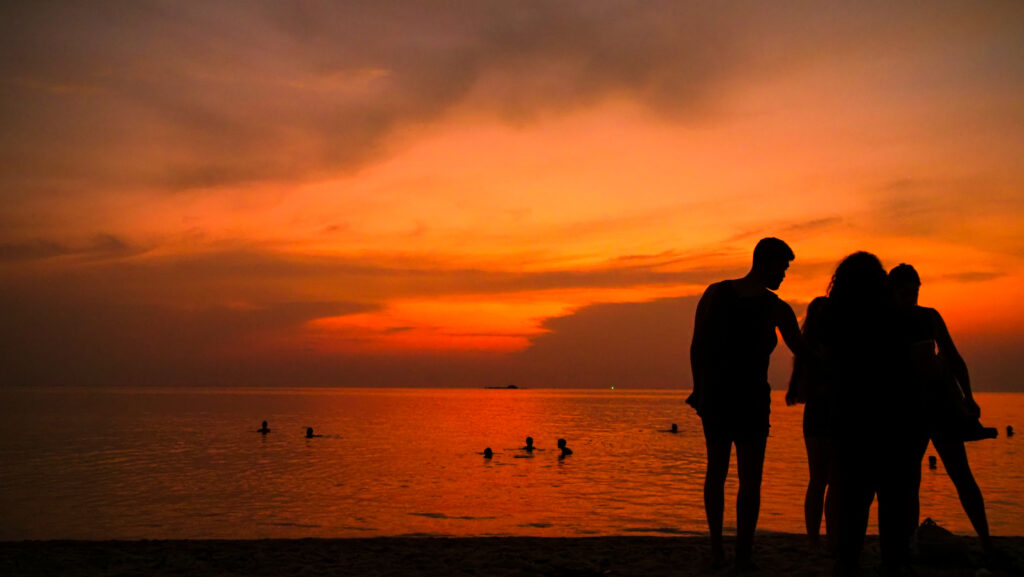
(785, 319)
(790, 331)
(701, 323)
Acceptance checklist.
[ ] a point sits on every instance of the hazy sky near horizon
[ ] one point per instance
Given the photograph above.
(478, 193)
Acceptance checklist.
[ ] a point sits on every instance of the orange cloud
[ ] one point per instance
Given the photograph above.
(375, 193)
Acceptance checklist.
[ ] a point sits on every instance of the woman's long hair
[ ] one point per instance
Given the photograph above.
(859, 281)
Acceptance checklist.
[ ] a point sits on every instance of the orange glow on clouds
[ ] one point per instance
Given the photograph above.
(434, 324)
(421, 193)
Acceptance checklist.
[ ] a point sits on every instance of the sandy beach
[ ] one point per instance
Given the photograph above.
(777, 554)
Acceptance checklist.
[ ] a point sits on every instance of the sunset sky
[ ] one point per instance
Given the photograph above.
(483, 193)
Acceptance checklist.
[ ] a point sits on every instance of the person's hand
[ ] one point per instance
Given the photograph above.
(791, 398)
(972, 408)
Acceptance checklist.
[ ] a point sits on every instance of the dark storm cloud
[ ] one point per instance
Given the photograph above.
(259, 276)
(177, 95)
(58, 335)
(970, 209)
(614, 344)
(636, 344)
(995, 361)
(101, 246)
(103, 321)
(382, 277)
(34, 250)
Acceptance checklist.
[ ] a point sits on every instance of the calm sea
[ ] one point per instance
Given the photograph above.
(186, 463)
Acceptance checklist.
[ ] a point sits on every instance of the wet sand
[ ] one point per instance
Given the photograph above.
(776, 554)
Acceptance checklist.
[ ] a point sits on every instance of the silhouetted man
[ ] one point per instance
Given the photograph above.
(733, 338)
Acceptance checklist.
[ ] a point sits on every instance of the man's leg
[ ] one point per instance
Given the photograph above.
(750, 465)
(714, 493)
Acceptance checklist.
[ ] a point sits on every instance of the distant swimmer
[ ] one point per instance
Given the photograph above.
(488, 453)
(566, 451)
(933, 463)
(309, 433)
(264, 429)
(1009, 430)
(529, 445)
(674, 429)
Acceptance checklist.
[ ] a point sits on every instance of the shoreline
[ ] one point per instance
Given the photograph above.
(618, 556)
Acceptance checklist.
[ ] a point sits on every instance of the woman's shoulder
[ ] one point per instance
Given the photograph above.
(818, 306)
(925, 314)
(816, 317)
(933, 318)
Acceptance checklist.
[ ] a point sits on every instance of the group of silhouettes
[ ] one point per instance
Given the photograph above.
(264, 429)
(529, 448)
(879, 376)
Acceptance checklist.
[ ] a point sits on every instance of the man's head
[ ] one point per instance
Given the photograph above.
(771, 259)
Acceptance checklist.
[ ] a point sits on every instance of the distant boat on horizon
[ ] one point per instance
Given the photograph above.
(505, 387)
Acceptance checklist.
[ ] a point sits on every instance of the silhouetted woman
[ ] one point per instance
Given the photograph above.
(875, 413)
(810, 385)
(928, 333)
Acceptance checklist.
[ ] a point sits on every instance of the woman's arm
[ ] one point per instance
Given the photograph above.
(951, 357)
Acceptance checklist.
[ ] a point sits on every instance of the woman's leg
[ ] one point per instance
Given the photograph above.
(855, 480)
(898, 505)
(914, 512)
(819, 455)
(954, 459)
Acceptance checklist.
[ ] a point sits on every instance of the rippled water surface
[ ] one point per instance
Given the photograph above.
(187, 463)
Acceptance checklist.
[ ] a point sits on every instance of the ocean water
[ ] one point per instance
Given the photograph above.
(133, 463)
